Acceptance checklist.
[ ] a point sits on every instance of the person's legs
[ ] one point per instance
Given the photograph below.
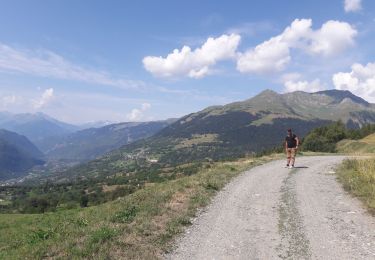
(288, 156)
(293, 156)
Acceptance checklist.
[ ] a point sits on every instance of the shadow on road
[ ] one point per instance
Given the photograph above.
(301, 167)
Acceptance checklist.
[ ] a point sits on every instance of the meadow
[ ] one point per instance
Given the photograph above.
(141, 225)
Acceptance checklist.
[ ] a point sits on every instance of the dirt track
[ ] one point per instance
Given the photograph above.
(270, 212)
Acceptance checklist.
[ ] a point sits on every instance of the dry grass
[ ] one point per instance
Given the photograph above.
(357, 147)
(370, 139)
(358, 177)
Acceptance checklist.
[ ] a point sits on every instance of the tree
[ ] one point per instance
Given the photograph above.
(84, 201)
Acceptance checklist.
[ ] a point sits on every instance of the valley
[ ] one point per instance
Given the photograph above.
(80, 167)
(106, 175)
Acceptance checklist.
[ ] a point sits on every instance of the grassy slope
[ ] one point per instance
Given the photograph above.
(140, 225)
(358, 175)
(363, 146)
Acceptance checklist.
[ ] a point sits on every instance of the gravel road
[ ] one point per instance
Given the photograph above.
(271, 212)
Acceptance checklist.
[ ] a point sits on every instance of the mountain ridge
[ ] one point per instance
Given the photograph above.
(233, 130)
(34, 126)
(17, 155)
(90, 143)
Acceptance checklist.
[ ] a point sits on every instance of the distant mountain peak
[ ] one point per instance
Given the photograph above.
(341, 95)
(35, 126)
(268, 92)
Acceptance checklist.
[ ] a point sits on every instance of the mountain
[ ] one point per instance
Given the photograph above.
(95, 124)
(339, 95)
(233, 130)
(90, 143)
(17, 155)
(34, 126)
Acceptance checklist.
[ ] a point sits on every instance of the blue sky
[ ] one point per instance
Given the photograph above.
(82, 61)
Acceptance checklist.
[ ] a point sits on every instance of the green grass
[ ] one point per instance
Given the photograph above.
(139, 226)
(358, 177)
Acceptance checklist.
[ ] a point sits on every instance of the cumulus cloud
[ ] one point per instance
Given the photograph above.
(333, 38)
(274, 54)
(360, 81)
(137, 114)
(195, 63)
(46, 98)
(45, 63)
(303, 85)
(352, 5)
(270, 56)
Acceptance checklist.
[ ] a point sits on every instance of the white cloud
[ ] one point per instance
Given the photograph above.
(138, 114)
(270, 56)
(312, 86)
(352, 5)
(46, 98)
(274, 54)
(193, 63)
(333, 38)
(45, 63)
(360, 81)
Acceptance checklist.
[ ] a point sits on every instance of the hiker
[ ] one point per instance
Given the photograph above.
(291, 146)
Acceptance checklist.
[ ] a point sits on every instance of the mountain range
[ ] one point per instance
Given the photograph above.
(17, 155)
(215, 133)
(90, 143)
(36, 126)
(236, 129)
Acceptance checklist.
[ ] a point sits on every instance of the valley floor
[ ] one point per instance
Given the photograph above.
(270, 212)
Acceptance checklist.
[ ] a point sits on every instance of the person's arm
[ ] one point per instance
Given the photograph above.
(297, 140)
(286, 145)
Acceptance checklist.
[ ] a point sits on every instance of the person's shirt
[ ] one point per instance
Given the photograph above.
(291, 141)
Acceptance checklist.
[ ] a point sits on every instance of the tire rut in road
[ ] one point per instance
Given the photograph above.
(294, 243)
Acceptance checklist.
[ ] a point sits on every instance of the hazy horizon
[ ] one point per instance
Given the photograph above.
(86, 62)
(108, 122)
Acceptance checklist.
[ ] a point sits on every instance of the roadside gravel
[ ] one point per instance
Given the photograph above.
(271, 212)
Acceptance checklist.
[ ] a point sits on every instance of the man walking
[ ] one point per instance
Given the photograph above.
(291, 146)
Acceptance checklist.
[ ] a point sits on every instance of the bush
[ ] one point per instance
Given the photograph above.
(324, 139)
(40, 235)
(103, 234)
(125, 216)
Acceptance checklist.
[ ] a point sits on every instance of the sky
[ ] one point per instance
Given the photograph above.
(85, 61)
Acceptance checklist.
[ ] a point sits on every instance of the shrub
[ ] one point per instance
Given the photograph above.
(125, 216)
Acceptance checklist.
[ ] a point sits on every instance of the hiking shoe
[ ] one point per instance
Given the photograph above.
(287, 166)
(291, 167)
